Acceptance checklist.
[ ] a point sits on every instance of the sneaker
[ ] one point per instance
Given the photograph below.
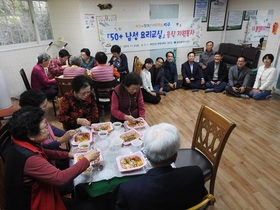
(244, 96)
(269, 96)
(194, 90)
(224, 92)
(208, 90)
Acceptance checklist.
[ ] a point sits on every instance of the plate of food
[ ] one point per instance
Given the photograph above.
(140, 123)
(80, 155)
(107, 126)
(129, 136)
(81, 137)
(131, 162)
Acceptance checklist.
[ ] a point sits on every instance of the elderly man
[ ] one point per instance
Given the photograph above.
(163, 187)
(238, 78)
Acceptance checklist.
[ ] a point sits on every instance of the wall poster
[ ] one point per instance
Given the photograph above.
(217, 15)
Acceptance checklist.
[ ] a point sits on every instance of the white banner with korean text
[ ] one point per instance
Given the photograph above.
(150, 34)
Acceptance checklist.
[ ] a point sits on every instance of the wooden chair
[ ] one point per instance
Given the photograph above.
(5, 138)
(209, 139)
(208, 200)
(28, 87)
(64, 85)
(102, 92)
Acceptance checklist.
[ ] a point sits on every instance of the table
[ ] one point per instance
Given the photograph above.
(109, 178)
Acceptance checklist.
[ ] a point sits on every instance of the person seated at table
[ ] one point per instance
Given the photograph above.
(78, 107)
(30, 178)
(265, 79)
(103, 72)
(238, 79)
(127, 100)
(39, 79)
(162, 187)
(193, 77)
(119, 61)
(58, 64)
(88, 62)
(170, 73)
(149, 95)
(57, 136)
(216, 74)
(75, 68)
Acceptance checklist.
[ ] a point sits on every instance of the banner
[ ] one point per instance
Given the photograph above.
(258, 27)
(150, 34)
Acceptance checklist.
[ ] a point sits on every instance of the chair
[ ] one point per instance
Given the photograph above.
(64, 85)
(102, 92)
(28, 87)
(208, 200)
(209, 139)
(5, 138)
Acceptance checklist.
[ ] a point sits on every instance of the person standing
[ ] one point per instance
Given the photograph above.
(206, 56)
(149, 95)
(170, 72)
(193, 77)
(238, 79)
(265, 79)
(216, 74)
(119, 61)
(162, 187)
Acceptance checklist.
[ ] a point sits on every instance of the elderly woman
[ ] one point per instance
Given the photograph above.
(119, 61)
(75, 68)
(88, 61)
(39, 79)
(127, 100)
(264, 80)
(162, 187)
(31, 180)
(78, 107)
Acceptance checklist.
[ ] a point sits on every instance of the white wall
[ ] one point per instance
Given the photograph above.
(68, 23)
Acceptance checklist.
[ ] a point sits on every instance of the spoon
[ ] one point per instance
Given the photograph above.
(96, 169)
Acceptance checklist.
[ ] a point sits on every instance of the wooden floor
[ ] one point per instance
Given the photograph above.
(249, 171)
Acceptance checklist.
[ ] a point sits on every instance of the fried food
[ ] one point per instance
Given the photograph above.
(82, 137)
(129, 136)
(106, 127)
(138, 123)
(131, 162)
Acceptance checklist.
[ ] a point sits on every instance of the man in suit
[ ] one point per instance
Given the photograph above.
(193, 77)
(157, 76)
(239, 76)
(163, 187)
(216, 74)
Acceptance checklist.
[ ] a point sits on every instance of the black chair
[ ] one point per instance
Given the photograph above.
(102, 92)
(28, 87)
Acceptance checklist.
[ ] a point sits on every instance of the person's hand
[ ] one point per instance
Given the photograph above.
(218, 82)
(71, 154)
(160, 90)
(235, 89)
(242, 89)
(64, 66)
(202, 81)
(203, 66)
(83, 122)
(174, 85)
(255, 91)
(130, 118)
(170, 85)
(67, 136)
(213, 83)
(153, 93)
(92, 155)
(188, 81)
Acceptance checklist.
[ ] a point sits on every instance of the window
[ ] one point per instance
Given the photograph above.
(23, 21)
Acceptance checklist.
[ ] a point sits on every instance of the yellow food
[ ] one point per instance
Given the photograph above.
(129, 136)
(82, 137)
(131, 162)
(106, 127)
(139, 123)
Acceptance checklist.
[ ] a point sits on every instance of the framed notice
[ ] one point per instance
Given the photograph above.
(201, 9)
(217, 15)
(248, 13)
(235, 19)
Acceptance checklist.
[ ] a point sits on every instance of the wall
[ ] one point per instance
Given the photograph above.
(67, 18)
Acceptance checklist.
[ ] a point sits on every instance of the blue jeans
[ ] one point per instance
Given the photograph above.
(217, 88)
(260, 95)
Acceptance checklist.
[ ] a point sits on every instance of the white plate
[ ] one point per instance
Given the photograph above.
(133, 168)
